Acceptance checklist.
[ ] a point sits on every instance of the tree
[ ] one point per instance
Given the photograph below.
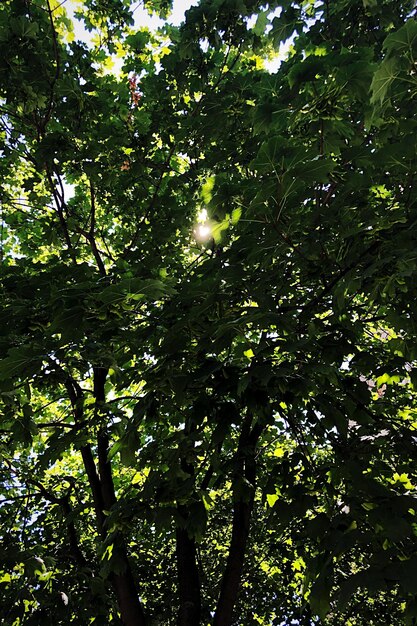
(208, 332)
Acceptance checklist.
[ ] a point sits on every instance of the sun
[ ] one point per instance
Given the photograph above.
(203, 230)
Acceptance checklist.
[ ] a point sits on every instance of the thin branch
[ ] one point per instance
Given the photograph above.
(60, 212)
(57, 67)
(93, 209)
(94, 249)
(18, 498)
(58, 425)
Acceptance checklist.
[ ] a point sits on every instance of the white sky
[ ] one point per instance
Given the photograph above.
(177, 16)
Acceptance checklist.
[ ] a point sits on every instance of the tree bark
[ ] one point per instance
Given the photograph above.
(234, 566)
(242, 512)
(189, 587)
(124, 586)
(189, 613)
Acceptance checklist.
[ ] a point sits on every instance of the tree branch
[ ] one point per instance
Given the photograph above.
(104, 466)
(123, 582)
(57, 67)
(76, 397)
(90, 234)
(59, 209)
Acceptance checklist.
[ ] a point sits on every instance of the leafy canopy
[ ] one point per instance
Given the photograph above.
(207, 321)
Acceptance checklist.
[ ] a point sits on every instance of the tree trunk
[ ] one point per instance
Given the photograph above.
(127, 598)
(189, 613)
(242, 512)
(234, 566)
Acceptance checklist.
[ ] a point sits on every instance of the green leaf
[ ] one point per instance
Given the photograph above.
(271, 498)
(69, 323)
(236, 215)
(21, 361)
(268, 155)
(261, 23)
(316, 170)
(282, 29)
(23, 27)
(383, 79)
(320, 594)
(403, 40)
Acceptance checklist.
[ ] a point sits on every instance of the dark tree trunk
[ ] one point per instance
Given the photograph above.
(242, 512)
(127, 597)
(234, 566)
(189, 613)
(189, 588)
